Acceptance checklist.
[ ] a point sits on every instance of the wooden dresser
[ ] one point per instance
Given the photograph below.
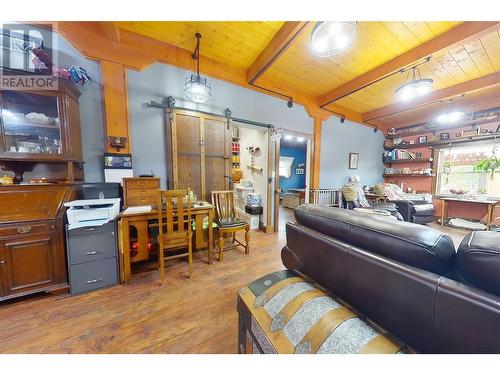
(139, 191)
(32, 255)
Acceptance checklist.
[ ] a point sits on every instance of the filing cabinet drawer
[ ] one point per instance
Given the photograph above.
(93, 275)
(92, 245)
(91, 231)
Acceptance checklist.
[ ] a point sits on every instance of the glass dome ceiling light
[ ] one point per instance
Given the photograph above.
(415, 88)
(329, 38)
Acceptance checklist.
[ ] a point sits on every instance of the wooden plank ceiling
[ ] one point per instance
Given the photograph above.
(244, 45)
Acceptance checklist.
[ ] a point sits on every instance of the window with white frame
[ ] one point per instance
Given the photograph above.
(465, 170)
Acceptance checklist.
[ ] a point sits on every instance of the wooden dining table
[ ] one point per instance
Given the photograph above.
(139, 223)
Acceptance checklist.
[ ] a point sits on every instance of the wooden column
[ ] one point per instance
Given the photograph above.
(316, 159)
(115, 97)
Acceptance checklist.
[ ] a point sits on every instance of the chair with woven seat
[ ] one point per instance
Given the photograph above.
(175, 232)
(227, 222)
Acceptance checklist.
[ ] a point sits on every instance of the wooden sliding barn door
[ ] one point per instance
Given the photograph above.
(200, 153)
(217, 155)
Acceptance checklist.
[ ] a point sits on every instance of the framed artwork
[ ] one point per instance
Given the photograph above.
(444, 136)
(422, 139)
(353, 160)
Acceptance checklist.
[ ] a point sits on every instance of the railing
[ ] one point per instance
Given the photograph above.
(326, 197)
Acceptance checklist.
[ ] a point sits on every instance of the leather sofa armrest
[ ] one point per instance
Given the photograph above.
(405, 208)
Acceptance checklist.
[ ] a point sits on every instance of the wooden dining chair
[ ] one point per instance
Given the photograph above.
(175, 231)
(227, 222)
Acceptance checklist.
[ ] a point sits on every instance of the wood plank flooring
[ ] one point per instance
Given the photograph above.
(196, 315)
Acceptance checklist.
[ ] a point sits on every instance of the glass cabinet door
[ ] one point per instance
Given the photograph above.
(31, 123)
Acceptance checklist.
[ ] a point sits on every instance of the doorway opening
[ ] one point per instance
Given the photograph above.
(293, 171)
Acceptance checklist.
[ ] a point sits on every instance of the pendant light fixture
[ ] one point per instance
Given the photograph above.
(196, 87)
(414, 88)
(329, 38)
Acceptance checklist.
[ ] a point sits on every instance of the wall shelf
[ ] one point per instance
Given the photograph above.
(421, 160)
(408, 175)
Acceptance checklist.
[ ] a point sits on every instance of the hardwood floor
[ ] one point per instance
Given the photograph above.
(196, 315)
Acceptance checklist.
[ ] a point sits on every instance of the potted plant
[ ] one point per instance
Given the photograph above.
(487, 166)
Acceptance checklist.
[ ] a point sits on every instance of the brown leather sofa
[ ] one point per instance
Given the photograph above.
(405, 277)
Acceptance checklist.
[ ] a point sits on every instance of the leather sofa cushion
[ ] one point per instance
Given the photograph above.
(409, 243)
(478, 260)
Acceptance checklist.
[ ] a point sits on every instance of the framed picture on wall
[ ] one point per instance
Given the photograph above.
(353, 160)
(444, 136)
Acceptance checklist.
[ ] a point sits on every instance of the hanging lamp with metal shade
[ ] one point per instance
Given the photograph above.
(329, 38)
(414, 88)
(196, 87)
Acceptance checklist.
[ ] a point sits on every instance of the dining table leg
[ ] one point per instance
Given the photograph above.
(489, 217)
(443, 204)
(125, 251)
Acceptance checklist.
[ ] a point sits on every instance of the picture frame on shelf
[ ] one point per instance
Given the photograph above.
(422, 139)
(353, 160)
(444, 136)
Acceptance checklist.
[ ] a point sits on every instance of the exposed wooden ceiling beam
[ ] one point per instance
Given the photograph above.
(279, 44)
(449, 39)
(111, 31)
(137, 52)
(480, 83)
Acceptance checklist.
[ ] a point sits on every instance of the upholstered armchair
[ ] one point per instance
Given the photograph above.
(415, 208)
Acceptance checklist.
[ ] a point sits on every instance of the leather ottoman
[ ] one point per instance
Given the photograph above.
(284, 312)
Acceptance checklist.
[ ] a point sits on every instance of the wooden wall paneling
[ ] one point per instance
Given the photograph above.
(234, 42)
(449, 39)
(115, 104)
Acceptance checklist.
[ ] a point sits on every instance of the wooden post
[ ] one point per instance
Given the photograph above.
(316, 160)
(115, 104)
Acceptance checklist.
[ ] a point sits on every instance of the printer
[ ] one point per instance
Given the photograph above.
(91, 212)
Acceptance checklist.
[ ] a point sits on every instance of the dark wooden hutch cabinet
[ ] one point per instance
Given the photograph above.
(41, 127)
(37, 127)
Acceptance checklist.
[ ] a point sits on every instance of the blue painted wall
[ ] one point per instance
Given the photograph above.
(298, 153)
(338, 140)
